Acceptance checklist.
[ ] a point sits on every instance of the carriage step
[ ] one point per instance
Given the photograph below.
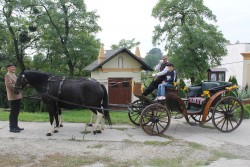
(194, 111)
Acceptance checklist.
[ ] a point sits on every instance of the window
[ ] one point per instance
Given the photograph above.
(221, 77)
(120, 62)
(213, 77)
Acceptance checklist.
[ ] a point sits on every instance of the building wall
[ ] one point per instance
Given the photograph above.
(246, 69)
(122, 60)
(121, 66)
(233, 62)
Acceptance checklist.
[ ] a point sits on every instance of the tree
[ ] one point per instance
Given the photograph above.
(193, 44)
(129, 44)
(153, 56)
(13, 24)
(68, 33)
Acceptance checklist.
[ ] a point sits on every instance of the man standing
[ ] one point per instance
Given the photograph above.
(160, 76)
(14, 99)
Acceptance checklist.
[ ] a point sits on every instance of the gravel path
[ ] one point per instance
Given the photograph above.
(121, 146)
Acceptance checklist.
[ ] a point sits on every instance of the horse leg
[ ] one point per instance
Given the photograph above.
(61, 120)
(103, 127)
(52, 129)
(99, 117)
(61, 117)
(52, 115)
(91, 122)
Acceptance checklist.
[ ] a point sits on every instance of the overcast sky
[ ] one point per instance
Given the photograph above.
(128, 19)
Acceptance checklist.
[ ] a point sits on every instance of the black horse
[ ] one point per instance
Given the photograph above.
(57, 93)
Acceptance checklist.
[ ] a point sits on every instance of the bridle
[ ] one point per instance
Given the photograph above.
(22, 79)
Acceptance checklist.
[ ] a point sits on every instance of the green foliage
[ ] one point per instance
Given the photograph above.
(197, 81)
(129, 44)
(76, 116)
(30, 105)
(193, 43)
(247, 111)
(181, 84)
(64, 38)
(153, 56)
(181, 87)
(240, 94)
(233, 80)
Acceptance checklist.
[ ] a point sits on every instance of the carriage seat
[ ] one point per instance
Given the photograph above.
(195, 92)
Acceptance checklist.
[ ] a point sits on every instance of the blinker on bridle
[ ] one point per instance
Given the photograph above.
(23, 78)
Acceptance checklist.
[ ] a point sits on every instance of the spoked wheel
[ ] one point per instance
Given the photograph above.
(198, 118)
(135, 112)
(155, 119)
(228, 114)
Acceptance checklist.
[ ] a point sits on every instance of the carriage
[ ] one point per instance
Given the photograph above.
(208, 101)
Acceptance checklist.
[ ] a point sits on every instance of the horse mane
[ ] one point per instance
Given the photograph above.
(37, 76)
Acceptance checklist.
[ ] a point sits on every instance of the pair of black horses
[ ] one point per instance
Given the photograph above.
(57, 93)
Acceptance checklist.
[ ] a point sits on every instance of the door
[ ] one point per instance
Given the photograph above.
(119, 90)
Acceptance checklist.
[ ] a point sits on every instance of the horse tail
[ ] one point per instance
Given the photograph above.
(105, 105)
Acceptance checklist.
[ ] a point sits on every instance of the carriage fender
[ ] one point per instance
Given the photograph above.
(209, 103)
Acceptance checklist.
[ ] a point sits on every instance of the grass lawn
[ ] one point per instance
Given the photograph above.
(75, 116)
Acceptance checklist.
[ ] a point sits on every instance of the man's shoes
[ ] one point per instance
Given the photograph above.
(14, 130)
(20, 128)
(157, 98)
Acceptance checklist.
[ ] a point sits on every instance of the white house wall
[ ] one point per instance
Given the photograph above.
(233, 62)
(128, 65)
(116, 62)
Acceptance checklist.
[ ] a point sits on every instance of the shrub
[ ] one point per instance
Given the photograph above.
(240, 94)
(233, 80)
(247, 111)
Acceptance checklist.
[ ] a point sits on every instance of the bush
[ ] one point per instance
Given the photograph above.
(233, 80)
(180, 86)
(30, 105)
(240, 94)
(247, 111)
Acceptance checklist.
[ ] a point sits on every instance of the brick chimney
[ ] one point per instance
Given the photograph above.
(137, 52)
(101, 56)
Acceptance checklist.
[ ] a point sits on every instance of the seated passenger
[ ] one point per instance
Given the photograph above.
(159, 77)
(168, 82)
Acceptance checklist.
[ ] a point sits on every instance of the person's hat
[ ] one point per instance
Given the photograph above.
(9, 65)
(170, 64)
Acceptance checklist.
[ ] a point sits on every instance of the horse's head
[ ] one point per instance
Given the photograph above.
(21, 83)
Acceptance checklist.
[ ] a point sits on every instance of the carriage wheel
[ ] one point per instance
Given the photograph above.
(135, 112)
(198, 118)
(227, 114)
(155, 119)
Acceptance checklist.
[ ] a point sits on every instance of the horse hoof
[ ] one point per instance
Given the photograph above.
(48, 134)
(97, 131)
(55, 131)
(61, 125)
(90, 125)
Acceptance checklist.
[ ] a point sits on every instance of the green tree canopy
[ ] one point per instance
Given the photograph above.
(153, 56)
(129, 44)
(194, 44)
(69, 34)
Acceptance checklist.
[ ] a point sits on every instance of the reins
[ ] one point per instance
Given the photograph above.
(56, 99)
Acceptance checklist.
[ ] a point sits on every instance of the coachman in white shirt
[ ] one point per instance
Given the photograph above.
(159, 77)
